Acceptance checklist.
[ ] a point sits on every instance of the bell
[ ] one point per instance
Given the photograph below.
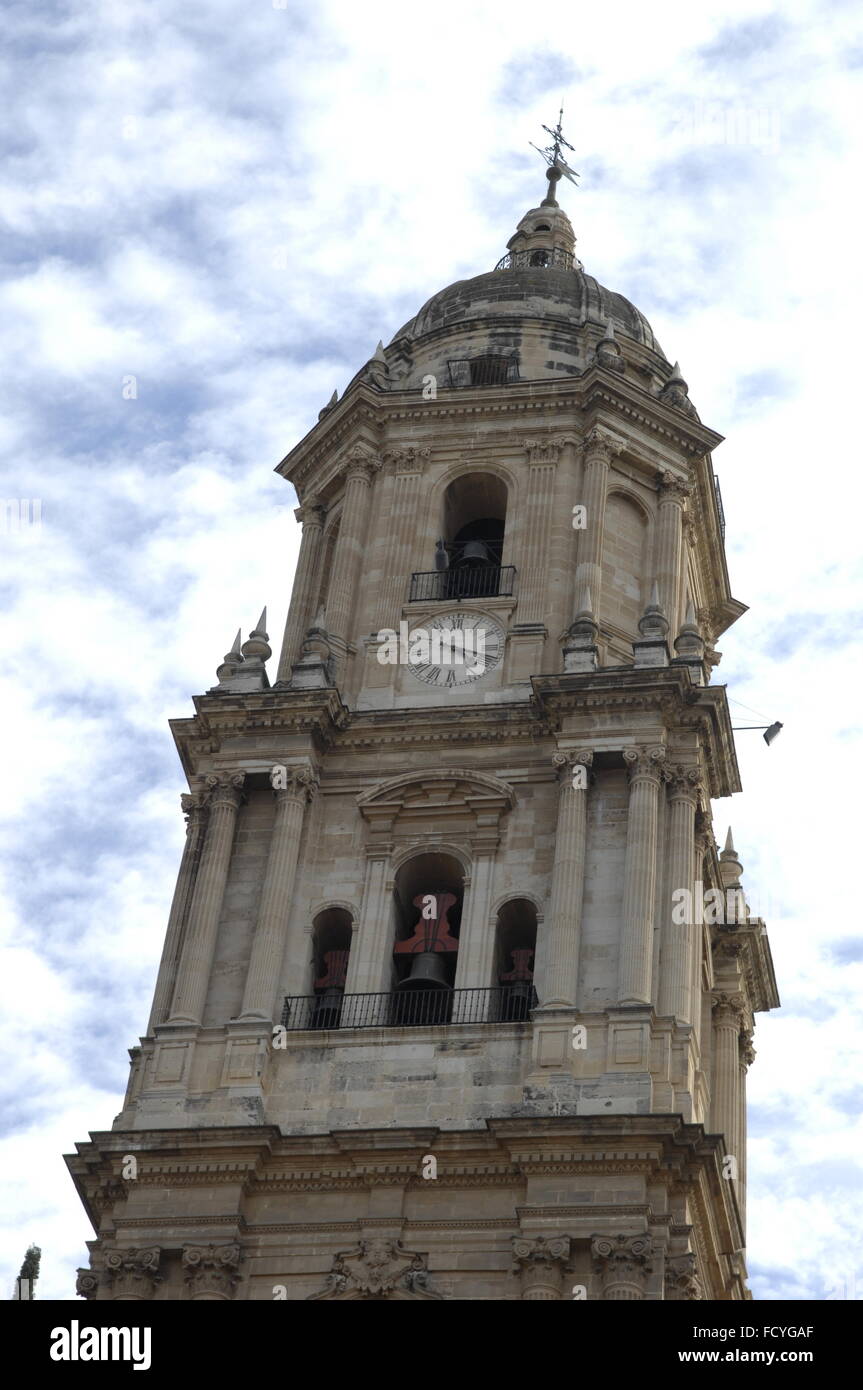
(476, 553)
(428, 971)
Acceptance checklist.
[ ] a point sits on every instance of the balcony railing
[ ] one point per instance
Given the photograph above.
(463, 581)
(553, 259)
(409, 1008)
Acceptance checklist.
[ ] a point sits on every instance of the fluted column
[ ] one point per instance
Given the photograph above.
(599, 449)
(407, 469)
(558, 947)
(746, 1056)
(476, 937)
(639, 874)
(193, 975)
(210, 1271)
(539, 499)
(195, 811)
(703, 841)
(678, 939)
(673, 492)
(371, 958)
(623, 1264)
(361, 469)
(541, 1265)
(268, 944)
(728, 1014)
(312, 515)
(562, 547)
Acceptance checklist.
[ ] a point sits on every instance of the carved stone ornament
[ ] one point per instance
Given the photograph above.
(406, 459)
(673, 489)
(645, 763)
(194, 808)
(623, 1264)
(211, 1270)
(87, 1283)
(225, 790)
(133, 1273)
(599, 444)
(681, 1279)
(684, 783)
(541, 451)
(378, 1269)
(360, 462)
(294, 783)
(541, 1264)
(729, 1010)
(566, 762)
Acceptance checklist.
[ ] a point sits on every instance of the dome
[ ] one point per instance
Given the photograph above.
(536, 315)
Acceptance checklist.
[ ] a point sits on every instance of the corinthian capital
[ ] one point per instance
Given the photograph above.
(623, 1264)
(681, 1279)
(729, 1010)
(194, 808)
(311, 513)
(133, 1273)
(673, 489)
(645, 764)
(211, 1270)
(567, 761)
(685, 783)
(360, 462)
(298, 782)
(406, 458)
(599, 444)
(225, 789)
(541, 450)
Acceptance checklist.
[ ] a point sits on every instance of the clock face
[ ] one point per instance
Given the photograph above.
(454, 649)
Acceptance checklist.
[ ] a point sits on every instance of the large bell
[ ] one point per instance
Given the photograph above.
(428, 971)
(476, 553)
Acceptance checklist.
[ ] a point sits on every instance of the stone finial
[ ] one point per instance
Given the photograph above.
(379, 353)
(651, 648)
(579, 650)
(730, 866)
(333, 401)
(608, 352)
(689, 646)
(232, 660)
(676, 392)
(243, 667)
(258, 646)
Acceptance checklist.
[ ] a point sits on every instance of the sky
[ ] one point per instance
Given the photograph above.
(211, 214)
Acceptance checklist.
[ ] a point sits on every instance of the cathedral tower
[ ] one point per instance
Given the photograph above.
(457, 992)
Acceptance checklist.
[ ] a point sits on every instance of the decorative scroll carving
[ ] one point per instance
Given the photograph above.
(729, 1010)
(406, 459)
(565, 762)
(623, 1264)
(225, 790)
(645, 763)
(360, 462)
(87, 1283)
(541, 450)
(681, 1278)
(211, 1270)
(378, 1269)
(685, 783)
(598, 443)
(298, 782)
(133, 1273)
(673, 489)
(541, 1264)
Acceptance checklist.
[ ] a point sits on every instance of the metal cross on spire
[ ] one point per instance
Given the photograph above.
(552, 155)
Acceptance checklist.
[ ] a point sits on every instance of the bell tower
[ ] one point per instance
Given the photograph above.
(457, 992)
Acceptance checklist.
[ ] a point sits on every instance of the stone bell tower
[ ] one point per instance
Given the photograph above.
(440, 1012)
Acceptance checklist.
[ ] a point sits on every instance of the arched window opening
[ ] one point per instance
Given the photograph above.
(474, 524)
(542, 258)
(429, 893)
(331, 933)
(515, 956)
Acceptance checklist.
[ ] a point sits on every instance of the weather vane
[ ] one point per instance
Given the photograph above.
(552, 155)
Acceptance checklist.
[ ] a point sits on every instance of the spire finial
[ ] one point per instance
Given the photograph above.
(557, 165)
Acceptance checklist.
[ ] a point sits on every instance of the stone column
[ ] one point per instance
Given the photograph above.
(195, 811)
(562, 547)
(623, 1264)
(353, 524)
(133, 1274)
(558, 946)
(371, 958)
(678, 940)
(639, 875)
(599, 449)
(728, 1013)
(210, 1271)
(703, 841)
(407, 466)
(475, 958)
(533, 589)
(312, 515)
(673, 492)
(541, 1265)
(746, 1054)
(193, 974)
(268, 944)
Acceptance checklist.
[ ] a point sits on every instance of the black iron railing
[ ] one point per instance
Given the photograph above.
(719, 505)
(463, 581)
(409, 1008)
(553, 259)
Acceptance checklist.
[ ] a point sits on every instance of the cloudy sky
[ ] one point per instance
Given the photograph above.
(211, 214)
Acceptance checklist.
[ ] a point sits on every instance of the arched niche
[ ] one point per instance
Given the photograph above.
(625, 578)
(515, 957)
(332, 933)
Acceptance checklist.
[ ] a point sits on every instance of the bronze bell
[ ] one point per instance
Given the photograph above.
(476, 553)
(428, 971)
